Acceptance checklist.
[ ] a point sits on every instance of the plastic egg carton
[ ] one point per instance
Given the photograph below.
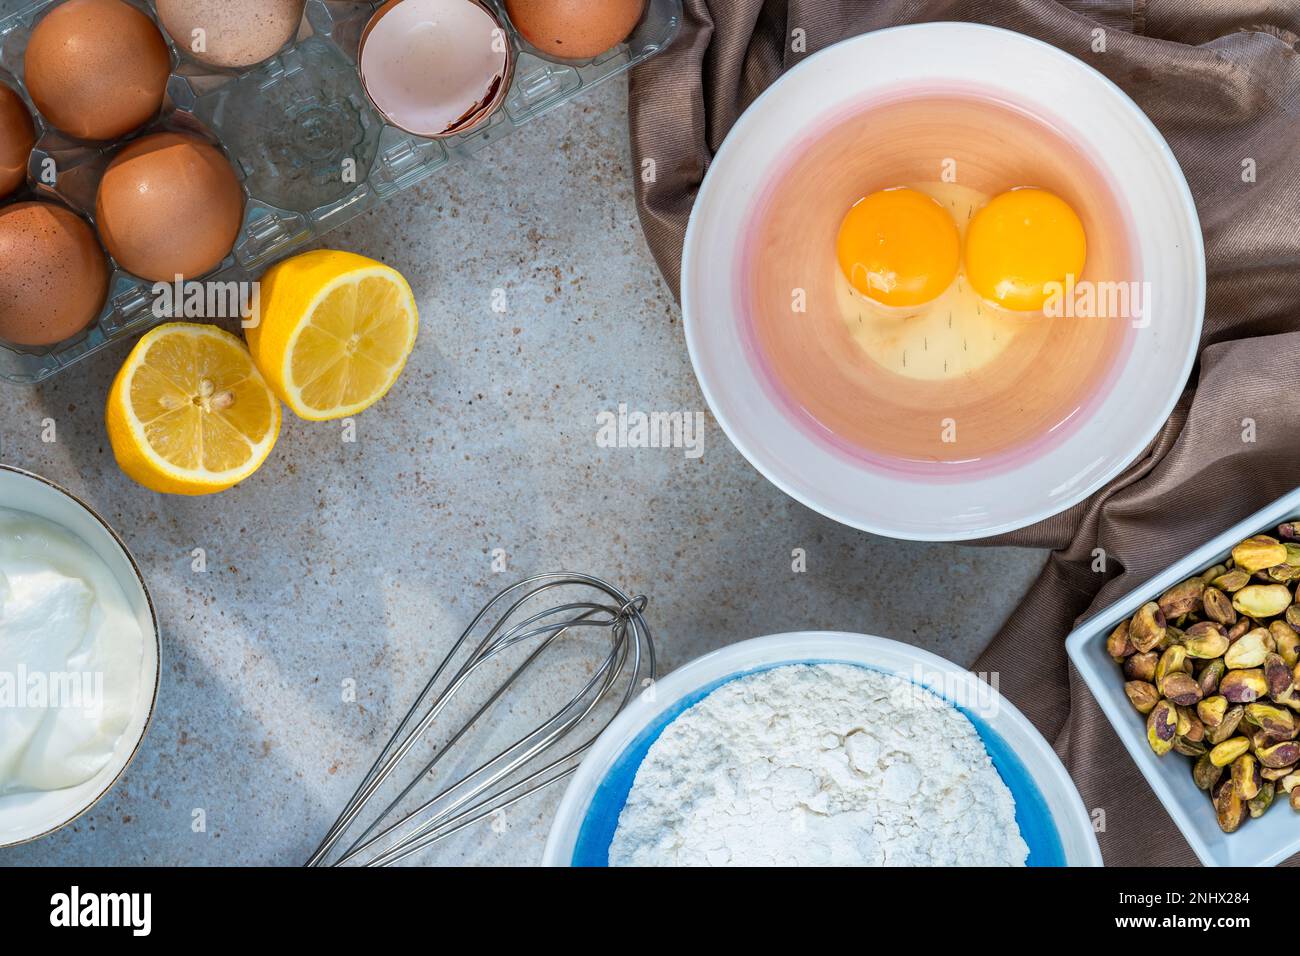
(309, 147)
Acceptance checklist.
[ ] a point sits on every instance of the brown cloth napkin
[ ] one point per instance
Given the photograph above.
(1221, 79)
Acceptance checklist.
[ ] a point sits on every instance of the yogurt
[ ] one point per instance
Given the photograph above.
(71, 651)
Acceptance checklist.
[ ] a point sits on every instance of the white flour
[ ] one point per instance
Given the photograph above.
(822, 764)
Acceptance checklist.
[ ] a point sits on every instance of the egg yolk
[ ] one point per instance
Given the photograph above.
(1021, 241)
(899, 247)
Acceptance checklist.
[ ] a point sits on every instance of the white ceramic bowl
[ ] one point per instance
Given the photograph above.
(1262, 842)
(1049, 811)
(1042, 80)
(28, 816)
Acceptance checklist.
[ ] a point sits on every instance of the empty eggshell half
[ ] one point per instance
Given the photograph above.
(17, 139)
(435, 67)
(231, 33)
(97, 69)
(55, 277)
(169, 205)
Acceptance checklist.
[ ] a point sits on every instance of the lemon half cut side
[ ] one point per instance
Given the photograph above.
(189, 413)
(334, 334)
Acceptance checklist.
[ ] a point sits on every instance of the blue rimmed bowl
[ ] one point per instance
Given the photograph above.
(1052, 818)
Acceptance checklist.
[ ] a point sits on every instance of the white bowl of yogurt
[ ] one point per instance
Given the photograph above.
(1004, 774)
(79, 653)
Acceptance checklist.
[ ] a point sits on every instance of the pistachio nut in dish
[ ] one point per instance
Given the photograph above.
(1214, 665)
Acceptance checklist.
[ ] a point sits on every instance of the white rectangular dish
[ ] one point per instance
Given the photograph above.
(1266, 841)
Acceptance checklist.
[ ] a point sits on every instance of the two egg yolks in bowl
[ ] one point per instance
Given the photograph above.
(901, 247)
(933, 276)
(907, 317)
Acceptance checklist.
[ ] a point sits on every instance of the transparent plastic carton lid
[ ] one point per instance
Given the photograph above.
(309, 147)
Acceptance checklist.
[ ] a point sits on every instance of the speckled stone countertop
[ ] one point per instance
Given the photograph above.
(363, 560)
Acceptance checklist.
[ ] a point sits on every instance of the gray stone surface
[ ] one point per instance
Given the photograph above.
(365, 560)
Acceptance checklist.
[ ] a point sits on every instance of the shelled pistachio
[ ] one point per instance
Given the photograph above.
(1258, 553)
(1210, 676)
(1162, 726)
(1260, 803)
(1262, 600)
(1279, 677)
(1142, 666)
(1283, 573)
(1232, 719)
(1274, 721)
(1147, 628)
(1218, 607)
(1118, 646)
(1231, 581)
(1190, 724)
(1230, 808)
(1206, 641)
(1206, 772)
(1225, 753)
(1209, 574)
(1181, 599)
(1142, 695)
(1243, 687)
(1213, 663)
(1181, 688)
(1245, 776)
(1284, 754)
(1171, 661)
(1287, 640)
(1211, 710)
(1248, 652)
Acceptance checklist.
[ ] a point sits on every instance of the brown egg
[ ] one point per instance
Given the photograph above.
(575, 29)
(55, 277)
(231, 33)
(17, 137)
(168, 205)
(97, 69)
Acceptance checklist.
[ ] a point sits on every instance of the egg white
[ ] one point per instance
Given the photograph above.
(950, 336)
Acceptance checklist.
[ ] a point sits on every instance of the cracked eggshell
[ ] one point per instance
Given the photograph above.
(436, 67)
(17, 139)
(231, 33)
(97, 69)
(55, 277)
(169, 204)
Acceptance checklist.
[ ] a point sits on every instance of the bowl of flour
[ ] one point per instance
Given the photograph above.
(822, 749)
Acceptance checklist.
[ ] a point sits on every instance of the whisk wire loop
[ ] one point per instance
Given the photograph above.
(509, 775)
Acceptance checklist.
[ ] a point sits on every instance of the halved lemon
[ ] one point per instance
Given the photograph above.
(189, 413)
(335, 332)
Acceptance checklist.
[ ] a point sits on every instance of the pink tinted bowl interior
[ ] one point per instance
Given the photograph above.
(1013, 411)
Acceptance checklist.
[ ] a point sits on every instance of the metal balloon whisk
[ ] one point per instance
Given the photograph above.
(535, 621)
